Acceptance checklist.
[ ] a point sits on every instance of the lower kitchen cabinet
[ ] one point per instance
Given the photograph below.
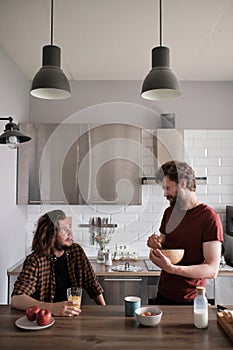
(117, 287)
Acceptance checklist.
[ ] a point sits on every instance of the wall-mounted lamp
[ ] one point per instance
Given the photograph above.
(11, 135)
(160, 83)
(50, 83)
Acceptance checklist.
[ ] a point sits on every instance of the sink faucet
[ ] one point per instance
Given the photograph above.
(127, 266)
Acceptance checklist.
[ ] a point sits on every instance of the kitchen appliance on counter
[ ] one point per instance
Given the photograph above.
(229, 220)
(228, 236)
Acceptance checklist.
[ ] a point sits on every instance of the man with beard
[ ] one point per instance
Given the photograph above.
(55, 264)
(186, 224)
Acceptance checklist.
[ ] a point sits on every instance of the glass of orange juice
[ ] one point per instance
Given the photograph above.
(74, 296)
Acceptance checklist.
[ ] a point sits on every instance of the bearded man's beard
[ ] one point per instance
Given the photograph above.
(176, 202)
(172, 201)
(59, 246)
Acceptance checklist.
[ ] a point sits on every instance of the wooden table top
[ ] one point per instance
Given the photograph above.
(106, 327)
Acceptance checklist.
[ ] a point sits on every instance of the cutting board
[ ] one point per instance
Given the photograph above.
(227, 327)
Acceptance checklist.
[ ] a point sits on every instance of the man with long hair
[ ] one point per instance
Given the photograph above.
(55, 264)
(186, 224)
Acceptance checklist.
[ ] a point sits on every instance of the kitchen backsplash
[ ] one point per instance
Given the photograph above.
(209, 152)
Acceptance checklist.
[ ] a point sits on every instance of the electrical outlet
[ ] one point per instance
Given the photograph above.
(122, 247)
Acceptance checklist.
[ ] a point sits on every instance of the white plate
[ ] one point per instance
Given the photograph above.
(24, 323)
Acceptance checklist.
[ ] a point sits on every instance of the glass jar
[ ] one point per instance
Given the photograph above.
(101, 256)
(108, 258)
(200, 308)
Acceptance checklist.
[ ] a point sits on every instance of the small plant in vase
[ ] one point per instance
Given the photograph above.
(102, 240)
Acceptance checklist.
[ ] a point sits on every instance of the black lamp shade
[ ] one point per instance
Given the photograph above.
(50, 82)
(12, 131)
(161, 82)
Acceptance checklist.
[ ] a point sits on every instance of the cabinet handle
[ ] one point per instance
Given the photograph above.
(46, 201)
(123, 279)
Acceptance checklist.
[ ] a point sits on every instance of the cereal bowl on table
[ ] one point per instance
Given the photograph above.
(148, 316)
(175, 255)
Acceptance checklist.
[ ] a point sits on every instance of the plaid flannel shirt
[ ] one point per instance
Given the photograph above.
(37, 278)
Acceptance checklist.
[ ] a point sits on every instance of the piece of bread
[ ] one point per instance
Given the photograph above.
(228, 316)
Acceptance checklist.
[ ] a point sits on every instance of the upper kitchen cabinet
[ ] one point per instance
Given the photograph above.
(80, 164)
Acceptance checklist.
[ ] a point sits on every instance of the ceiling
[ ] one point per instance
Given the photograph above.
(112, 39)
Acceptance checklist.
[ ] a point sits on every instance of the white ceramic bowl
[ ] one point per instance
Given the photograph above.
(148, 321)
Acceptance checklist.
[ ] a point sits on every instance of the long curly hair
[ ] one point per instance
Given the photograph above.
(46, 232)
(176, 171)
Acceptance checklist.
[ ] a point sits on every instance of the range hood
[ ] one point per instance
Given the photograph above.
(162, 145)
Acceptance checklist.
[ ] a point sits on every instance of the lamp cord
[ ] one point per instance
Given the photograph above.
(51, 22)
(160, 22)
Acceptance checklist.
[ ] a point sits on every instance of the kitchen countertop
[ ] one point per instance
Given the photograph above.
(106, 327)
(102, 270)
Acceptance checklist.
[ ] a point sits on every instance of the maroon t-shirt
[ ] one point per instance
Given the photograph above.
(187, 230)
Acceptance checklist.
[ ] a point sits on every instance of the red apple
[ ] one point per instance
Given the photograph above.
(31, 312)
(43, 317)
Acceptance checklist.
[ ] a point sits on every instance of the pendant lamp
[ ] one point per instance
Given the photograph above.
(161, 82)
(11, 135)
(50, 82)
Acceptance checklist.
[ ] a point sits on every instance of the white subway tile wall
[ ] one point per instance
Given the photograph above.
(209, 152)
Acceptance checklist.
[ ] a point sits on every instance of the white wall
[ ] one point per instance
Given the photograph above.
(202, 105)
(14, 101)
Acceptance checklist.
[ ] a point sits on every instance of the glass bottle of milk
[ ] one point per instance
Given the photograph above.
(200, 308)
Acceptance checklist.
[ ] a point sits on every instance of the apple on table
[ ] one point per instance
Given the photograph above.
(32, 312)
(43, 317)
